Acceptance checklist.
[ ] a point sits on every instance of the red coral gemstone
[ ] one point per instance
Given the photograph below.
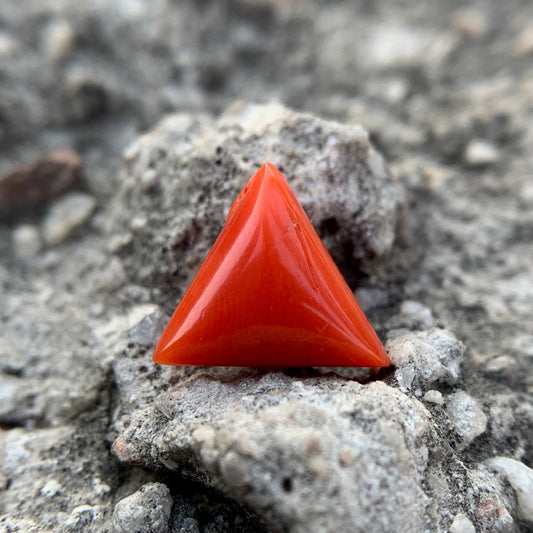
(269, 294)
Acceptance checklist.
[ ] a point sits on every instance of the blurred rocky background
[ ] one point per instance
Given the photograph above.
(126, 130)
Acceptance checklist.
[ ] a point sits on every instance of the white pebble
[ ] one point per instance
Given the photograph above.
(26, 241)
(480, 152)
(500, 364)
(520, 477)
(467, 416)
(67, 216)
(461, 524)
(8, 45)
(51, 488)
(433, 396)
(58, 39)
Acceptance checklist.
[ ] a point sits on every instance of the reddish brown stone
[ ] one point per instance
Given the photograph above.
(31, 184)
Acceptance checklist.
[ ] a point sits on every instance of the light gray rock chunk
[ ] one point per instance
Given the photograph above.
(461, 524)
(466, 416)
(520, 477)
(67, 216)
(424, 358)
(183, 176)
(43, 352)
(145, 511)
(313, 454)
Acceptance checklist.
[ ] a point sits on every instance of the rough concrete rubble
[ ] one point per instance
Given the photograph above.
(437, 242)
(278, 443)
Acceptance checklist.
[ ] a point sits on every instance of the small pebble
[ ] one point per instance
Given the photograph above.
(480, 152)
(7, 44)
(501, 363)
(58, 39)
(26, 241)
(51, 488)
(67, 216)
(417, 312)
(470, 22)
(423, 358)
(189, 525)
(82, 517)
(371, 298)
(145, 511)
(433, 396)
(523, 44)
(520, 477)
(395, 45)
(461, 524)
(467, 416)
(147, 330)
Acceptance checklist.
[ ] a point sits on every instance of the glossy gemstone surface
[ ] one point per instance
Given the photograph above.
(269, 293)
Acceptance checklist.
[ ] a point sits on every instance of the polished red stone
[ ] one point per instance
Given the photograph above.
(269, 293)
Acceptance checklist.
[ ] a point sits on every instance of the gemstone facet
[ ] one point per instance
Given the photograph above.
(269, 293)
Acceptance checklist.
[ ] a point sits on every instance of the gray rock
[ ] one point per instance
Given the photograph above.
(145, 511)
(466, 416)
(520, 477)
(36, 378)
(488, 501)
(67, 216)
(189, 525)
(137, 378)
(319, 453)
(425, 358)
(183, 176)
(66, 494)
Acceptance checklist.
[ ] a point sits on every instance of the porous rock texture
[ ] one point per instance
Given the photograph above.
(183, 176)
(438, 244)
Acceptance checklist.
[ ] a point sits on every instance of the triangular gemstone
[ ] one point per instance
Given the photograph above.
(269, 294)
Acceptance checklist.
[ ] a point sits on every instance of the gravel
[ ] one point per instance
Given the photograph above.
(407, 136)
(145, 511)
(466, 416)
(67, 217)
